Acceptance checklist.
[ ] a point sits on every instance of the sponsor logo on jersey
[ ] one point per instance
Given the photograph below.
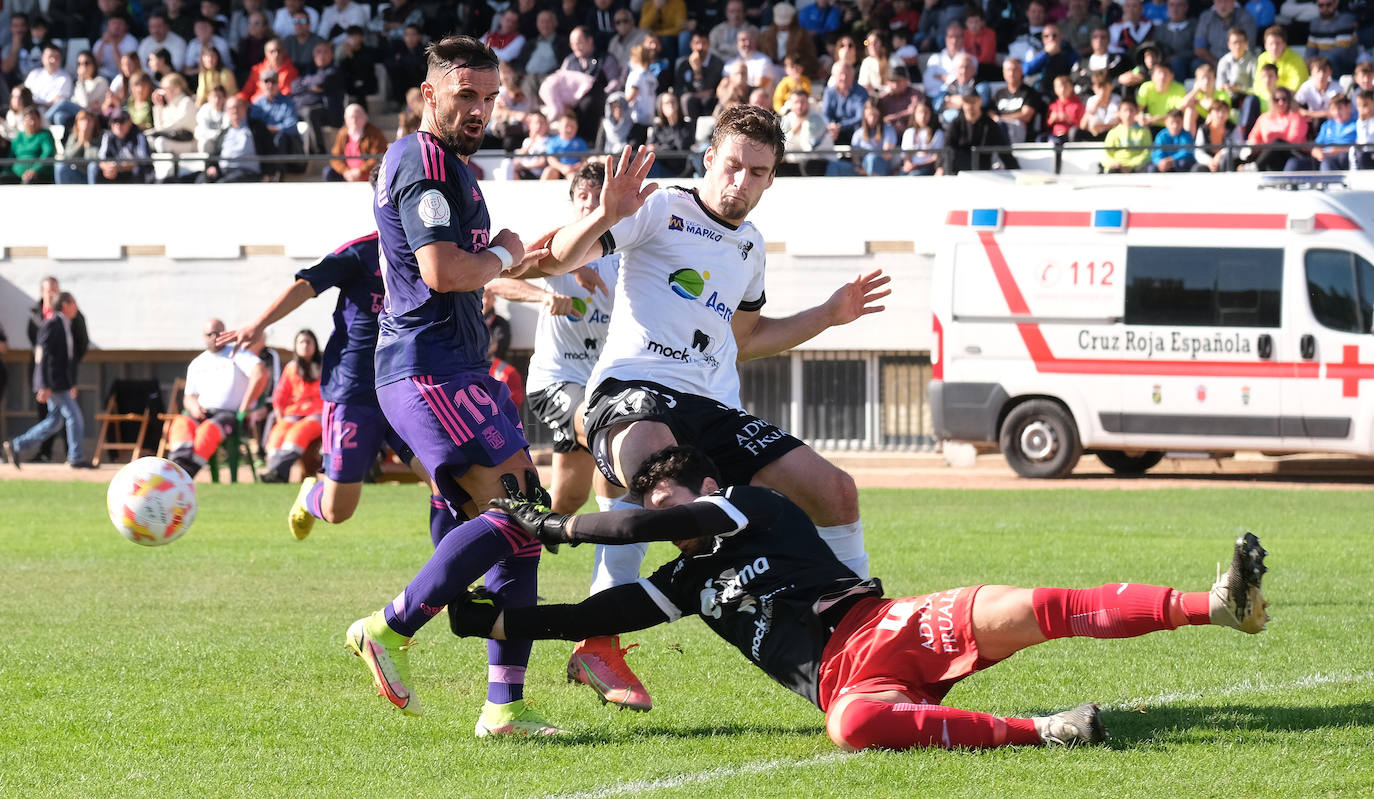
(433, 209)
(688, 283)
(700, 341)
(580, 306)
(744, 248)
(670, 353)
(728, 589)
(676, 222)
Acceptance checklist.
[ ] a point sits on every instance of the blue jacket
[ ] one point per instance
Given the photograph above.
(820, 21)
(1335, 132)
(847, 111)
(1179, 148)
(279, 112)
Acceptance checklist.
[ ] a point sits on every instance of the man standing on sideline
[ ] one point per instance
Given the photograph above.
(54, 383)
(40, 313)
(432, 379)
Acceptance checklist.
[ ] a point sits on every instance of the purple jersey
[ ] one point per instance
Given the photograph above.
(425, 194)
(348, 375)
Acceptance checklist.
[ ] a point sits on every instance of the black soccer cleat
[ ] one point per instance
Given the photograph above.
(1236, 598)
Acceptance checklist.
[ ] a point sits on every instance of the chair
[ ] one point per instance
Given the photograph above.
(129, 409)
(234, 446)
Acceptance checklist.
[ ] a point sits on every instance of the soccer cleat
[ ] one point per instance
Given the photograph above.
(1082, 725)
(1236, 599)
(600, 663)
(12, 454)
(384, 652)
(299, 519)
(513, 718)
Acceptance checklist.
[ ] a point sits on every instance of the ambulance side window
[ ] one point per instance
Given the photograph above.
(1340, 290)
(1201, 286)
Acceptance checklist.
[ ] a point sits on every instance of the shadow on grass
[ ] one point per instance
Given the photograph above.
(669, 730)
(1177, 723)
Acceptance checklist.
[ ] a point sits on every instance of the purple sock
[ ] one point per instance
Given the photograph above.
(465, 553)
(441, 519)
(515, 579)
(312, 500)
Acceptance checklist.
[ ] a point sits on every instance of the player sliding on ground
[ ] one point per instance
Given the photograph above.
(753, 567)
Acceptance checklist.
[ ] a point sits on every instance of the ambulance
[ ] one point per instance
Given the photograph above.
(1207, 314)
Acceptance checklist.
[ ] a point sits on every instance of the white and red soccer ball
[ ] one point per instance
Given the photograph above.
(152, 502)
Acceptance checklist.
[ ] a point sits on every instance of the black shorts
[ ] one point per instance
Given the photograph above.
(740, 444)
(556, 406)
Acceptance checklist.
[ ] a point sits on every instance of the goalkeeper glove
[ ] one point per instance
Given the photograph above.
(548, 527)
(473, 615)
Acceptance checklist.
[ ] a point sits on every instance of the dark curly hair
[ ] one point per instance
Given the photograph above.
(687, 466)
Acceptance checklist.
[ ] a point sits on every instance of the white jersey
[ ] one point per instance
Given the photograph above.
(219, 380)
(566, 348)
(683, 275)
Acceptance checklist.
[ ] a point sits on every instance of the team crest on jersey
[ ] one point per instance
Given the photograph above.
(433, 209)
(744, 248)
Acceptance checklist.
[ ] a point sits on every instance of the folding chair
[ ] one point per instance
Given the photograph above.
(129, 409)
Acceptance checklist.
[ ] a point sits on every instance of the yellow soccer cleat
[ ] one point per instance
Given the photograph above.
(384, 652)
(299, 519)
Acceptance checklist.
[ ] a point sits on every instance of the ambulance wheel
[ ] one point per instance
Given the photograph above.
(1039, 439)
(1121, 463)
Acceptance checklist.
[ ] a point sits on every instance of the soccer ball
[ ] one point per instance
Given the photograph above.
(152, 502)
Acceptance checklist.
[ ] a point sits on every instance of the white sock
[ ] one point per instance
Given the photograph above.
(604, 504)
(616, 564)
(847, 542)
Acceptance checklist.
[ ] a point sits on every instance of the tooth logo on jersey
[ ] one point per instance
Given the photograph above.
(744, 248)
(688, 283)
(676, 222)
(433, 209)
(700, 341)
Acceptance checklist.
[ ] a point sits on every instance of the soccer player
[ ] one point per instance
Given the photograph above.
(432, 380)
(354, 427)
(688, 303)
(756, 572)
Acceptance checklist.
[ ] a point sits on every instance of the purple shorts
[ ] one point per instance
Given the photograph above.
(453, 423)
(353, 436)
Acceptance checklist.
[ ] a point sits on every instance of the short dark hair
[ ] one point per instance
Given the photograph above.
(591, 172)
(459, 52)
(64, 298)
(687, 466)
(1277, 30)
(753, 123)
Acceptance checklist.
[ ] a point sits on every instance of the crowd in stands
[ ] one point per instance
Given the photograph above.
(863, 87)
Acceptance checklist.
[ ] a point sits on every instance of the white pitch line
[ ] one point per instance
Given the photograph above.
(727, 772)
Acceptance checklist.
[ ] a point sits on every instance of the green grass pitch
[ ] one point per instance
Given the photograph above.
(215, 666)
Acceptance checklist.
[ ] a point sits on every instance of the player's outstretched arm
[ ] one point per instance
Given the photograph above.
(290, 300)
(759, 336)
(622, 609)
(623, 193)
(520, 290)
(682, 522)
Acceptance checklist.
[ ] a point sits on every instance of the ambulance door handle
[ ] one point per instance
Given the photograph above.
(1266, 346)
(1307, 347)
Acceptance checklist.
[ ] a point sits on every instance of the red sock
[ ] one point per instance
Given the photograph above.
(1197, 606)
(870, 723)
(1115, 610)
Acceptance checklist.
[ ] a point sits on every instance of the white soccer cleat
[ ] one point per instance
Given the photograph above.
(1082, 725)
(1236, 599)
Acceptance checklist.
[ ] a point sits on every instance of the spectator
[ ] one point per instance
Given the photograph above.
(395, 18)
(1028, 43)
(238, 154)
(845, 50)
(964, 80)
(20, 55)
(140, 102)
(940, 69)
(277, 113)
(627, 36)
(1176, 37)
(161, 37)
(821, 18)
(899, 100)
(1061, 122)
(873, 150)
(940, 14)
(1100, 110)
(123, 153)
(213, 11)
(1301, 11)
(972, 128)
(211, 120)
(1332, 35)
(297, 405)
(724, 36)
(604, 71)
(204, 40)
(1160, 96)
(1051, 62)
(807, 139)
(31, 144)
(529, 161)
(902, 17)
(213, 74)
(300, 43)
(759, 66)
(181, 23)
(1292, 70)
(1363, 151)
(90, 87)
(1156, 11)
(114, 42)
(696, 77)
(617, 129)
(1332, 150)
(54, 382)
(794, 78)
(876, 65)
(922, 142)
(566, 144)
(903, 48)
(357, 66)
(1147, 56)
(570, 14)
(659, 66)
(81, 150)
(1217, 140)
(1276, 131)
(174, 117)
(338, 18)
(1173, 150)
(542, 52)
(1097, 59)
(670, 134)
(1201, 97)
(319, 95)
(1262, 11)
(1211, 40)
(1078, 26)
(1313, 97)
(641, 90)
(241, 20)
(252, 48)
(600, 23)
(1132, 31)
(358, 148)
(284, 21)
(506, 40)
(842, 104)
(1127, 144)
(1260, 96)
(980, 41)
(513, 103)
(222, 387)
(787, 38)
(274, 61)
(1016, 106)
(159, 65)
(407, 123)
(51, 87)
(20, 98)
(1363, 80)
(1236, 69)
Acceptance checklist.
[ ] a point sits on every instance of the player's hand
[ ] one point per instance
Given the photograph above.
(43, 395)
(853, 300)
(560, 305)
(590, 279)
(473, 614)
(239, 339)
(624, 191)
(508, 239)
(536, 519)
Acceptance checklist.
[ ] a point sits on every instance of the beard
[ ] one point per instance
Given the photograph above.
(453, 137)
